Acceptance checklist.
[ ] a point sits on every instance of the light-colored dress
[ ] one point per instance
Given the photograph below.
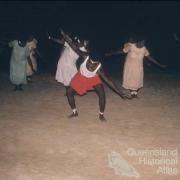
(133, 72)
(18, 63)
(66, 68)
(32, 45)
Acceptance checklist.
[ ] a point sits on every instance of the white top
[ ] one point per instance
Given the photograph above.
(85, 72)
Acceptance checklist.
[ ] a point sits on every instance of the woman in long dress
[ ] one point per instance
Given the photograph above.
(19, 56)
(133, 72)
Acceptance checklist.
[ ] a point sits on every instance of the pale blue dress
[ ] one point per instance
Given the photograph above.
(18, 63)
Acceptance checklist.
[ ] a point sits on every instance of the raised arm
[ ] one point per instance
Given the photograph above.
(111, 53)
(59, 41)
(112, 85)
(151, 59)
(73, 46)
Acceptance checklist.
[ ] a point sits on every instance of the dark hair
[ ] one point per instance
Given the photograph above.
(22, 38)
(30, 38)
(136, 37)
(132, 40)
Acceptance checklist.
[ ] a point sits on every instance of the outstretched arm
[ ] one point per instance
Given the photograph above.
(73, 46)
(59, 41)
(155, 62)
(112, 85)
(111, 53)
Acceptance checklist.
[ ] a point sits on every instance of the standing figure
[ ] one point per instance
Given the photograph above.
(133, 72)
(32, 63)
(18, 62)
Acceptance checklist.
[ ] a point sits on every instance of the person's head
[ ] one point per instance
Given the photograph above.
(140, 43)
(22, 43)
(79, 43)
(92, 65)
(132, 39)
(30, 38)
(22, 39)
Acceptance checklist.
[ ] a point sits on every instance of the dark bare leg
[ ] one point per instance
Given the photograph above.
(70, 96)
(102, 100)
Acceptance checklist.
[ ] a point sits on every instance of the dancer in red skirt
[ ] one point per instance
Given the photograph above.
(88, 78)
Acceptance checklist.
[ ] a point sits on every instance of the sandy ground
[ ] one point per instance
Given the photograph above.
(39, 142)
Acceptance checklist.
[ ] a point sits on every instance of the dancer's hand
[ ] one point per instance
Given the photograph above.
(125, 96)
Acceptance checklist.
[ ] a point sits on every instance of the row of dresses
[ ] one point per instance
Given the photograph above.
(133, 73)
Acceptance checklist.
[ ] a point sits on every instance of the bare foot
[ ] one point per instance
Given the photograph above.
(102, 118)
(73, 115)
(134, 96)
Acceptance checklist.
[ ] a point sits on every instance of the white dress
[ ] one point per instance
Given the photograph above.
(66, 68)
(133, 72)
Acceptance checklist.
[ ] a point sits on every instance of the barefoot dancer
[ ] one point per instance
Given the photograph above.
(87, 78)
(133, 68)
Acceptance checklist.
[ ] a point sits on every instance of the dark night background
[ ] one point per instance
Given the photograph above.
(106, 24)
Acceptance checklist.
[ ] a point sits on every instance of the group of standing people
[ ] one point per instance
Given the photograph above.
(90, 74)
(23, 62)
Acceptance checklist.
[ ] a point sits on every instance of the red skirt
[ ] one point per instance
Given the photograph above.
(82, 84)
